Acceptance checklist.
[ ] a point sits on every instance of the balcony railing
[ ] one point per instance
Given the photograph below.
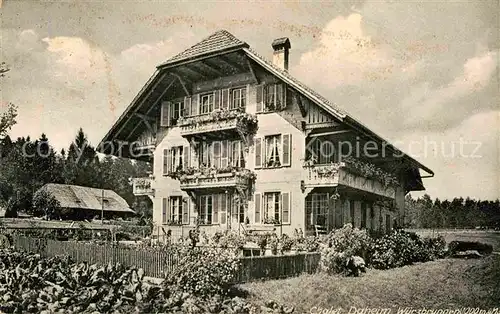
(345, 174)
(218, 121)
(241, 178)
(142, 186)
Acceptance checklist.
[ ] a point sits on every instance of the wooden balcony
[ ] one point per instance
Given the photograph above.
(216, 181)
(211, 125)
(142, 186)
(340, 174)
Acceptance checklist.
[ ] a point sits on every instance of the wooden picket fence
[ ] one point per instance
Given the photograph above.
(158, 264)
(154, 263)
(277, 266)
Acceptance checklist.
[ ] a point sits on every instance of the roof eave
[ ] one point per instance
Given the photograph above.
(169, 64)
(350, 120)
(313, 98)
(125, 113)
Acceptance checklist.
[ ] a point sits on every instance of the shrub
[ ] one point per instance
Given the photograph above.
(204, 271)
(404, 248)
(341, 246)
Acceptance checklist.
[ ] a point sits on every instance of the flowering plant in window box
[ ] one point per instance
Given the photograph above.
(371, 171)
(177, 222)
(271, 221)
(243, 119)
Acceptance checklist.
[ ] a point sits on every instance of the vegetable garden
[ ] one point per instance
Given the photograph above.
(199, 279)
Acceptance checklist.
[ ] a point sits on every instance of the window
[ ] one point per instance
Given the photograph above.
(237, 159)
(176, 210)
(239, 96)
(272, 204)
(274, 97)
(177, 154)
(219, 154)
(177, 111)
(176, 158)
(210, 206)
(317, 205)
(172, 111)
(205, 209)
(206, 103)
(321, 152)
(273, 151)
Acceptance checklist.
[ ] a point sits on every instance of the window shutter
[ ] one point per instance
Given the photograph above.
(257, 200)
(167, 161)
(217, 99)
(223, 208)
(258, 152)
(195, 101)
(231, 161)
(260, 97)
(185, 210)
(164, 210)
(165, 113)
(216, 154)
(286, 149)
(279, 96)
(187, 106)
(285, 207)
(215, 208)
(284, 97)
(224, 156)
(225, 99)
(186, 157)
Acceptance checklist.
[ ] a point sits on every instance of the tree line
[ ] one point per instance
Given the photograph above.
(26, 165)
(424, 212)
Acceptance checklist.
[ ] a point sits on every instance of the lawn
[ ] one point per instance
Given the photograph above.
(441, 284)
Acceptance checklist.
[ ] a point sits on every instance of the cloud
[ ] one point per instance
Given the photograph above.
(345, 54)
(437, 108)
(78, 61)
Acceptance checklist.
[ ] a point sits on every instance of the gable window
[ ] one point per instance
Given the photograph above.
(273, 151)
(177, 111)
(273, 97)
(238, 96)
(321, 151)
(206, 103)
(176, 210)
(171, 111)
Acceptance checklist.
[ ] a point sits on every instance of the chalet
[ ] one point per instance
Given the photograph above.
(237, 143)
(80, 202)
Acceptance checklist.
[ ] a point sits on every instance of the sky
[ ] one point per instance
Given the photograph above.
(423, 74)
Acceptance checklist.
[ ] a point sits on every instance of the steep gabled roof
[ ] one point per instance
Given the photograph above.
(74, 196)
(218, 41)
(222, 42)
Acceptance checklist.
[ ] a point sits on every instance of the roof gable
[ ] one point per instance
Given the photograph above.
(218, 41)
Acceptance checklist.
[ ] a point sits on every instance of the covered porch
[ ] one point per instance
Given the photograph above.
(329, 208)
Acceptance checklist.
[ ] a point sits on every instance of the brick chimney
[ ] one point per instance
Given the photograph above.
(281, 52)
